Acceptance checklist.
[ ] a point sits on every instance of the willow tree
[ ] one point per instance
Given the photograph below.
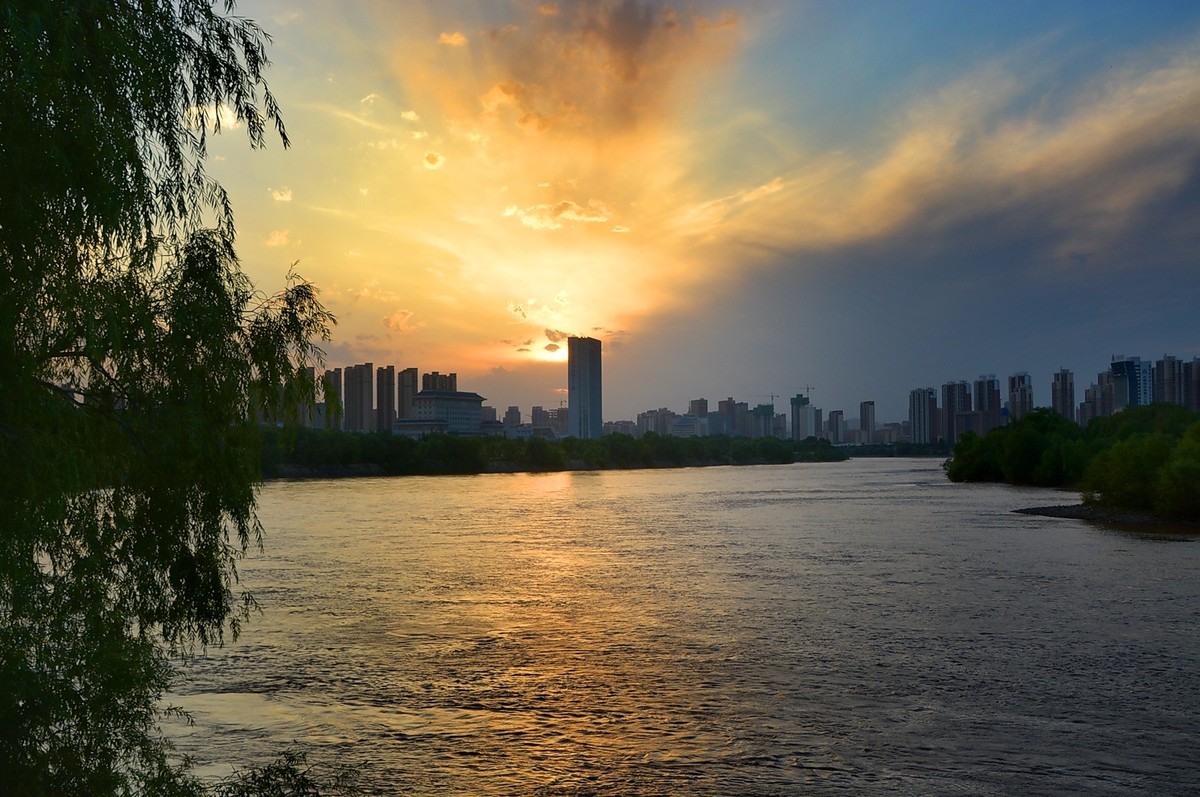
(134, 355)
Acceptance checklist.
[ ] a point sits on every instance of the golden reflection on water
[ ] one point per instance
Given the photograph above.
(720, 631)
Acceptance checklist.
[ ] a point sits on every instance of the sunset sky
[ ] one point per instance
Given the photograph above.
(739, 199)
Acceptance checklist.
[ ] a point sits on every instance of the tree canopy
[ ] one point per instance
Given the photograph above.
(134, 356)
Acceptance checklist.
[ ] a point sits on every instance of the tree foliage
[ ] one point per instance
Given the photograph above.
(1143, 458)
(134, 354)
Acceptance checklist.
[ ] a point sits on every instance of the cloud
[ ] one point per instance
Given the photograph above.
(551, 217)
(455, 39)
(551, 347)
(410, 116)
(277, 238)
(369, 100)
(548, 9)
(433, 160)
(281, 195)
(556, 336)
(399, 321)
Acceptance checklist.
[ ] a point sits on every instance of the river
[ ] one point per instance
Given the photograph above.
(850, 628)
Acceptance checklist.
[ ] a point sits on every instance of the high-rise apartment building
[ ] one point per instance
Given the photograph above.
(407, 387)
(445, 383)
(1191, 384)
(512, 417)
(385, 398)
(698, 407)
(1062, 394)
(584, 394)
(836, 427)
(923, 415)
(987, 402)
(359, 398)
(1168, 381)
(866, 422)
(334, 397)
(956, 398)
(1020, 395)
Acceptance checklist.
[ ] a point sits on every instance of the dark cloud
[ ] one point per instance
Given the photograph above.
(556, 336)
(551, 347)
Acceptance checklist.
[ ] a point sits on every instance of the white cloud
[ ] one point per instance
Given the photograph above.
(281, 194)
(277, 238)
(399, 321)
(410, 116)
(551, 217)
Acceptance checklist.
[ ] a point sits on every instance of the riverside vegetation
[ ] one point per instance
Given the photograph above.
(134, 354)
(291, 451)
(1142, 459)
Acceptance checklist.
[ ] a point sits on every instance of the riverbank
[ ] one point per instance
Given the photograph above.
(1113, 517)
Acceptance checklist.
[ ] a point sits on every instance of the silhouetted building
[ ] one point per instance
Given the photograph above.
(1132, 386)
(385, 397)
(922, 415)
(461, 412)
(866, 422)
(406, 393)
(956, 398)
(987, 403)
(512, 417)
(698, 407)
(836, 427)
(1191, 384)
(762, 418)
(335, 403)
(1168, 381)
(1062, 394)
(444, 383)
(1020, 395)
(584, 393)
(359, 398)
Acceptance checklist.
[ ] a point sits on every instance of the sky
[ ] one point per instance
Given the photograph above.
(848, 199)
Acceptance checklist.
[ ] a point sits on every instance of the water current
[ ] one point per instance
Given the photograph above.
(851, 628)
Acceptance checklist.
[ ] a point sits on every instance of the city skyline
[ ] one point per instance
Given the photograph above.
(856, 197)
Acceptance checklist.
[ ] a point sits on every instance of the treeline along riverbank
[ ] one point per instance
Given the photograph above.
(296, 452)
(1143, 459)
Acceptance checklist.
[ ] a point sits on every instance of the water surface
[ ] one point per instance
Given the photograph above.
(852, 628)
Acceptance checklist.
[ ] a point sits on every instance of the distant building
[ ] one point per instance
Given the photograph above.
(801, 417)
(584, 391)
(539, 418)
(407, 387)
(956, 398)
(385, 397)
(866, 422)
(687, 426)
(1132, 384)
(836, 427)
(922, 415)
(620, 427)
(698, 407)
(461, 412)
(1191, 384)
(987, 403)
(1168, 381)
(1062, 394)
(512, 417)
(560, 422)
(658, 421)
(443, 383)
(761, 420)
(488, 415)
(1020, 395)
(334, 397)
(359, 398)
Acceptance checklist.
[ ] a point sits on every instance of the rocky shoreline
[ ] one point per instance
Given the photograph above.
(1113, 517)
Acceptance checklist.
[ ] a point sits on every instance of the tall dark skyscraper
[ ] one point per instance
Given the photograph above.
(584, 402)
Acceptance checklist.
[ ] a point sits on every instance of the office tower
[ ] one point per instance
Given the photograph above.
(334, 396)
(539, 418)
(406, 394)
(922, 415)
(385, 398)
(866, 422)
(1062, 394)
(584, 399)
(1020, 395)
(445, 383)
(1132, 385)
(512, 417)
(1168, 381)
(956, 398)
(987, 402)
(698, 407)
